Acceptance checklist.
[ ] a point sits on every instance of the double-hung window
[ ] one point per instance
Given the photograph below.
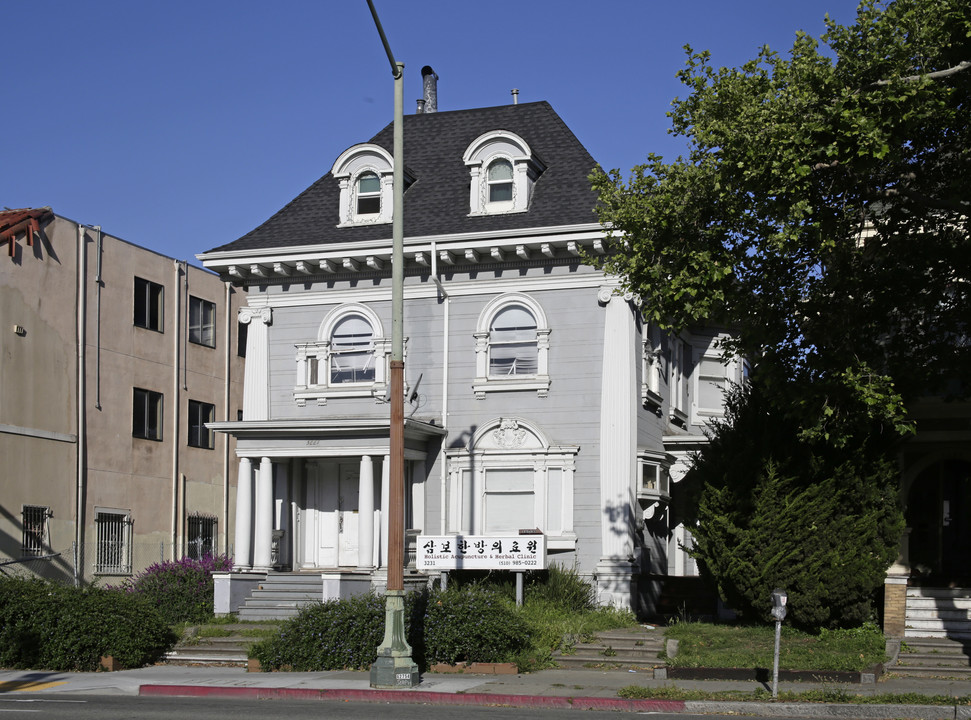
(368, 194)
(513, 343)
(202, 322)
(148, 303)
(201, 413)
(512, 347)
(146, 414)
(352, 351)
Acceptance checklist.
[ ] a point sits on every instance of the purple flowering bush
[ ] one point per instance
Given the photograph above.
(182, 591)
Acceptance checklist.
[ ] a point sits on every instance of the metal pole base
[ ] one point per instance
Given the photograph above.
(394, 667)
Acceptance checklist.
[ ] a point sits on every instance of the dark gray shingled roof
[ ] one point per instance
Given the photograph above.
(437, 202)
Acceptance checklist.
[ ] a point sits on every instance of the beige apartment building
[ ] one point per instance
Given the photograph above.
(113, 360)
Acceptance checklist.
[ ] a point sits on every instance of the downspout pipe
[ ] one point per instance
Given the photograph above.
(99, 247)
(227, 395)
(178, 327)
(82, 461)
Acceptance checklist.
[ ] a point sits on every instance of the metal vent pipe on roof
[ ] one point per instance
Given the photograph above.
(429, 81)
(515, 96)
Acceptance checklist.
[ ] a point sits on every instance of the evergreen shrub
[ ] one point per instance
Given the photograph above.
(53, 627)
(780, 504)
(474, 623)
(336, 635)
(182, 591)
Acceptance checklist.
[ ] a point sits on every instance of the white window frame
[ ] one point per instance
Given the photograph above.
(318, 355)
(354, 163)
(513, 444)
(651, 369)
(113, 541)
(711, 354)
(202, 322)
(485, 382)
(526, 168)
(677, 381)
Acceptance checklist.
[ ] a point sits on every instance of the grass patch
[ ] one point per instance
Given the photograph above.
(739, 646)
(834, 695)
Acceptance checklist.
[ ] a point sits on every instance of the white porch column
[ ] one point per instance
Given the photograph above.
(256, 379)
(385, 502)
(242, 547)
(262, 560)
(365, 514)
(618, 450)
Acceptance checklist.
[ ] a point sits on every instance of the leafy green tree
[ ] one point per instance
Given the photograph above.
(772, 506)
(823, 207)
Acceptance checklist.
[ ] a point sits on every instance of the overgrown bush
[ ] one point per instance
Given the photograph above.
(474, 623)
(52, 627)
(562, 588)
(810, 508)
(183, 590)
(337, 635)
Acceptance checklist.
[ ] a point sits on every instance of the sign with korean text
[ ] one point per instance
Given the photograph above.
(481, 552)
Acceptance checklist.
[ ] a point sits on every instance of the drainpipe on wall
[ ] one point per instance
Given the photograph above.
(443, 463)
(97, 319)
(82, 267)
(176, 403)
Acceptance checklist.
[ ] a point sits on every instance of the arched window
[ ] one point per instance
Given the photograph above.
(368, 194)
(512, 343)
(349, 358)
(500, 181)
(352, 351)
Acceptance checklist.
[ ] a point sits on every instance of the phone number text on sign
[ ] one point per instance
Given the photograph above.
(481, 552)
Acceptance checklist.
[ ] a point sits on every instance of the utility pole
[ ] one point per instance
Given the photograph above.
(394, 667)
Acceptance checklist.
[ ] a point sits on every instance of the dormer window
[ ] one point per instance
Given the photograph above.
(503, 171)
(365, 174)
(368, 194)
(500, 181)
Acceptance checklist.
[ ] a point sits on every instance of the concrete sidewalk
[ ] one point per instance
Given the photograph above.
(562, 689)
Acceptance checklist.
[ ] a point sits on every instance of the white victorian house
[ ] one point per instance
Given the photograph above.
(536, 396)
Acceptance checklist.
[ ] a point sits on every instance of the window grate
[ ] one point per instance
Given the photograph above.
(35, 529)
(113, 551)
(201, 535)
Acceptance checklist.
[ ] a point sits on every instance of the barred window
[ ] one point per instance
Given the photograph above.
(35, 538)
(113, 549)
(202, 536)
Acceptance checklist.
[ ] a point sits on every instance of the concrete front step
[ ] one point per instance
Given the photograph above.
(925, 671)
(620, 649)
(228, 650)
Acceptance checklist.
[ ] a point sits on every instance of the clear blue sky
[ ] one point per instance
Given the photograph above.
(182, 125)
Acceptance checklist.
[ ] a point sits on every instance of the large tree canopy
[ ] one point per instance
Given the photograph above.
(823, 207)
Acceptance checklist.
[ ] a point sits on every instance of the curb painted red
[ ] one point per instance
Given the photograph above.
(417, 697)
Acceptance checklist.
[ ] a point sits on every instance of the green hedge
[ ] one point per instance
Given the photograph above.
(473, 623)
(53, 627)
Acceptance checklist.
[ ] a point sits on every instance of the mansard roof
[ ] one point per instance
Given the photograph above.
(437, 199)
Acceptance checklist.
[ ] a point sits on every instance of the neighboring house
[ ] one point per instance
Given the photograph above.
(113, 360)
(536, 397)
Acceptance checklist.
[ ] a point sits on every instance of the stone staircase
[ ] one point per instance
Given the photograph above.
(933, 657)
(938, 613)
(229, 650)
(281, 596)
(634, 648)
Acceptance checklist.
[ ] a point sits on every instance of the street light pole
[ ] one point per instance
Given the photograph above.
(394, 667)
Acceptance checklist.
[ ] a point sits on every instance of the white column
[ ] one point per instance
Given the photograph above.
(256, 379)
(264, 516)
(365, 514)
(242, 560)
(385, 504)
(618, 449)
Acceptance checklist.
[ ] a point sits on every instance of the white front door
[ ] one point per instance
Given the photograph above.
(332, 518)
